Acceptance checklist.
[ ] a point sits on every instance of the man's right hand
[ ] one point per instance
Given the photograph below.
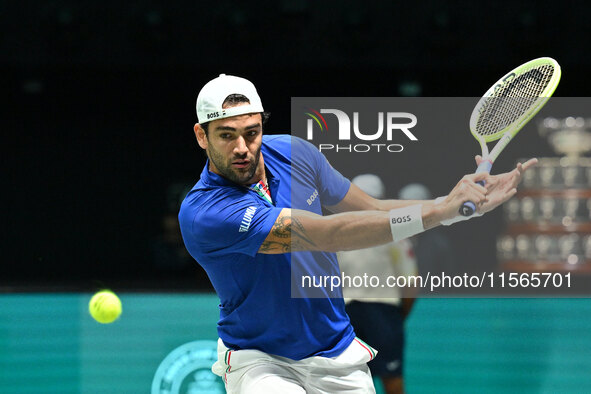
(465, 190)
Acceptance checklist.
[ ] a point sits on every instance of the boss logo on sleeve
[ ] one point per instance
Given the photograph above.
(312, 197)
(246, 219)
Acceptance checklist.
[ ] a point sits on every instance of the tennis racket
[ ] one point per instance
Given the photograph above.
(507, 106)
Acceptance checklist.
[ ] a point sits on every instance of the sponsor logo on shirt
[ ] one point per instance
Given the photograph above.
(312, 197)
(246, 219)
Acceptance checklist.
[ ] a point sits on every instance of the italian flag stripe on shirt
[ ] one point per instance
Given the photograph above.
(263, 190)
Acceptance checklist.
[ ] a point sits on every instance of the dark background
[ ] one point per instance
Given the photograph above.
(99, 104)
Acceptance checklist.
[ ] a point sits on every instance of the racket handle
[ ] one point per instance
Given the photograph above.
(468, 208)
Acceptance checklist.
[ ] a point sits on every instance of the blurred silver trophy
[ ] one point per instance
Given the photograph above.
(549, 220)
(570, 137)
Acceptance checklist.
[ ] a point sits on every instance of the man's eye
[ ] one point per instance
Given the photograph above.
(225, 135)
(252, 133)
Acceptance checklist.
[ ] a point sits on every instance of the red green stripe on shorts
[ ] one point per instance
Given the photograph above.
(372, 354)
(227, 360)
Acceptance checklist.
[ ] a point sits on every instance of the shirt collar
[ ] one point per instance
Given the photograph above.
(210, 178)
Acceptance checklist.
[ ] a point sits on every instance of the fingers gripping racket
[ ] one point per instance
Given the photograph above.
(507, 106)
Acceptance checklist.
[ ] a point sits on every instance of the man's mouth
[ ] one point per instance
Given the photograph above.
(241, 163)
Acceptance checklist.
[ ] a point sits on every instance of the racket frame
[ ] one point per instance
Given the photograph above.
(506, 135)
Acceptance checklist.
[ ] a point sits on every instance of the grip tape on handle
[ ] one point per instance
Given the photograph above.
(468, 208)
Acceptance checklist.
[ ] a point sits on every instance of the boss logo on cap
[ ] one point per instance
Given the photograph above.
(213, 115)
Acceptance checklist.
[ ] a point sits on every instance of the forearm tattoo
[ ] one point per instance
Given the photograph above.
(273, 246)
(289, 234)
(299, 236)
(282, 227)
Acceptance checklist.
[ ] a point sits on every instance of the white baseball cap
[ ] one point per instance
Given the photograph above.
(212, 96)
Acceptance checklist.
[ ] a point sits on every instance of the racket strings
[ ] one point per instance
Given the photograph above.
(512, 99)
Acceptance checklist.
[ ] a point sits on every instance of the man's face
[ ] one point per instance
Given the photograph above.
(233, 147)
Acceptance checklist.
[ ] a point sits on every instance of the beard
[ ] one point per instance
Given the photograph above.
(224, 166)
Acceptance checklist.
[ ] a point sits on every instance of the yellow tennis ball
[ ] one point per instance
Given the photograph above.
(105, 307)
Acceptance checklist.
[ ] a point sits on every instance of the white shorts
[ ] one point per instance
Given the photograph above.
(255, 372)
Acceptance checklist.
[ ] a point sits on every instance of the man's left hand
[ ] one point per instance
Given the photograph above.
(502, 187)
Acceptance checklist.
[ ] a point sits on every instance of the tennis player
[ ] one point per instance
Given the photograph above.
(254, 222)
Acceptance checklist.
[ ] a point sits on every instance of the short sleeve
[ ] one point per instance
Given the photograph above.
(332, 185)
(230, 225)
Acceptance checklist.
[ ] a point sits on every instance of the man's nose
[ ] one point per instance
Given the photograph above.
(240, 148)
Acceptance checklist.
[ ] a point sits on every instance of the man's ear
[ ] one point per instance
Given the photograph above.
(200, 135)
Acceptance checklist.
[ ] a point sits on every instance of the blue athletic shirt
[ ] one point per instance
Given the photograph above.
(223, 226)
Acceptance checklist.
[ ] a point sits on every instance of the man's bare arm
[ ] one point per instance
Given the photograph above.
(297, 230)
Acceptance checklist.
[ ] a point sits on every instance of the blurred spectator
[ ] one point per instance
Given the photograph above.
(169, 255)
(378, 313)
(169, 251)
(433, 248)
